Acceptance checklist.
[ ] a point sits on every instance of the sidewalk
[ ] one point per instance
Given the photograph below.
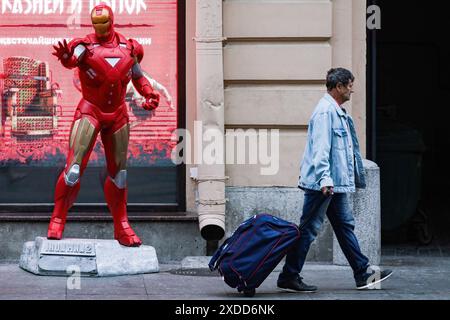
(422, 278)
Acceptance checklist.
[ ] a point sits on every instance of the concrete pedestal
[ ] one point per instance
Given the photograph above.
(90, 257)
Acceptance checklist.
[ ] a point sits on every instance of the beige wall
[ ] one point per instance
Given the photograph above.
(276, 57)
(191, 93)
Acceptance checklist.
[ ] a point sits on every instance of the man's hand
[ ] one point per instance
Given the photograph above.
(151, 101)
(328, 191)
(62, 52)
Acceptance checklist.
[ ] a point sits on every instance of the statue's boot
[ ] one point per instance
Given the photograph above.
(116, 198)
(65, 196)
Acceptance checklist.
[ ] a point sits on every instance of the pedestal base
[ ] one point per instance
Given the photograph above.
(91, 257)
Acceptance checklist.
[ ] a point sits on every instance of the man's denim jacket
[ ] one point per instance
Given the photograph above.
(330, 157)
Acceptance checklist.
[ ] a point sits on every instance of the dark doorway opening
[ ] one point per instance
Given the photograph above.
(408, 121)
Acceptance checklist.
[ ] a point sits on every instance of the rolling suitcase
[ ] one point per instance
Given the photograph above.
(247, 258)
(257, 246)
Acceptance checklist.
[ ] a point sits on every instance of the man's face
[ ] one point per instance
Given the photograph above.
(345, 91)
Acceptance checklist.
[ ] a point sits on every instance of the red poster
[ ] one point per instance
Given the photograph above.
(39, 96)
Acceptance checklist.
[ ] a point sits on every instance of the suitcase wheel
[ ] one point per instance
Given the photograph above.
(249, 293)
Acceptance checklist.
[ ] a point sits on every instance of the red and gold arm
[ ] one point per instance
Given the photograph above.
(145, 89)
(140, 82)
(69, 53)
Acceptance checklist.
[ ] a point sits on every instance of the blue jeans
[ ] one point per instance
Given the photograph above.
(341, 218)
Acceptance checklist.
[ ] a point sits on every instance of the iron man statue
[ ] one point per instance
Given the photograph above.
(107, 62)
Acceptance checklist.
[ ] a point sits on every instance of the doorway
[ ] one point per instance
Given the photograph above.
(408, 112)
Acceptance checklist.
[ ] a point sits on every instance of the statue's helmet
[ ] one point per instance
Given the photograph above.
(102, 18)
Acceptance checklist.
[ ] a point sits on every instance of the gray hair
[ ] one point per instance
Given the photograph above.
(339, 75)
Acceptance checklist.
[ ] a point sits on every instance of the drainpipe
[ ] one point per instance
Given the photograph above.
(210, 111)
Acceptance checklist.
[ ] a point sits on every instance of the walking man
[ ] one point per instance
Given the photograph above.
(331, 168)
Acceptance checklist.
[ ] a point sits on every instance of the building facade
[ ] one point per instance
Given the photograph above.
(253, 66)
(263, 67)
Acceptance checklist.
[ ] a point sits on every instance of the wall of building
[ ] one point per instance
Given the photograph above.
(191, 93)
(276, 56)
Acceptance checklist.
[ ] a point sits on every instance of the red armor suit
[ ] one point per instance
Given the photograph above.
(107, 62)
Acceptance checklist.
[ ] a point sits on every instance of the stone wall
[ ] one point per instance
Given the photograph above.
(287, 203)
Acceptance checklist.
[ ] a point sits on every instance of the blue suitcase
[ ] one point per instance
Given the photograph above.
(247, 258)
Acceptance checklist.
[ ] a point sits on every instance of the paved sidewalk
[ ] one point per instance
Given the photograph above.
(423, 278)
